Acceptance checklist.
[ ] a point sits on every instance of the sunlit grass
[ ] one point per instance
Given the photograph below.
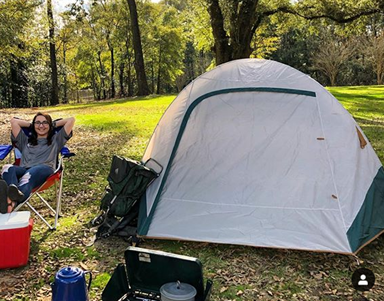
(136, 117)
(366, 105)
(365, 102)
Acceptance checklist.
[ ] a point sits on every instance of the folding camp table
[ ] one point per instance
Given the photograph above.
(145, 271)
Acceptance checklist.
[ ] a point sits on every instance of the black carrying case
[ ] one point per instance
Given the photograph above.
(145, 271)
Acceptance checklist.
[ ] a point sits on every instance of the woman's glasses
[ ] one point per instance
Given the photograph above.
(38, 123)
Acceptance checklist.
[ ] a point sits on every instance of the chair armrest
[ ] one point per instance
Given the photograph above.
(4, 151)
(66, 153)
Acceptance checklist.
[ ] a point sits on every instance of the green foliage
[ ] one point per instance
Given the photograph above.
(166, 45)
(94, 44)
(306, 40)
(198, 23)
(20, 47)
(296, 46)
(15, 16)
(338, 9)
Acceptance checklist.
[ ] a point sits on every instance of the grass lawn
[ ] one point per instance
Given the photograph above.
(366, 104)
(124, 127)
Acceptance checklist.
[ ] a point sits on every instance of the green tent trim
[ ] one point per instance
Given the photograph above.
(144, 221)
(369, 222)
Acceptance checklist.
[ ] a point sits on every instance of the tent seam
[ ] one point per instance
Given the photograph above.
(242, 205)
(330, 165)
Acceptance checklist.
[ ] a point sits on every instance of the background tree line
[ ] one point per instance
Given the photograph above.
(118, 48)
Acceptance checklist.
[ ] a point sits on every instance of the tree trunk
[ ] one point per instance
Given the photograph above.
(152, 77)
(244, 21)
(380, 72)
(222, 48)
(113, 89)
(19, 82)
(129, 69)
(65, 96)
(19, 85)
(121, 78)
(139, 59)
(129, 80)
(243, 30)
(5, 91)
(52, 53)
(102, 77)
(159, 72)
(332, 78)
(77, 88)
(96, 89)
(380, 77)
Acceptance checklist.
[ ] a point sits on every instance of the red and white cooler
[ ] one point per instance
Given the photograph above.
(15, 234)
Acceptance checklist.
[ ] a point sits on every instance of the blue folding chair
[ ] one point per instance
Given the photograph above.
(56, 180)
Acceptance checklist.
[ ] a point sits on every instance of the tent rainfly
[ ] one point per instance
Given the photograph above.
(258, 153)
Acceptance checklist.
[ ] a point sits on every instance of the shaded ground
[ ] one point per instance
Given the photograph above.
(239, 273)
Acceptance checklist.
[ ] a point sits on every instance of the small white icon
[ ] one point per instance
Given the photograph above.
(362, 281)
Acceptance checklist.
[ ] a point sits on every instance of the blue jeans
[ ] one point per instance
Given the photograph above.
(26, 179)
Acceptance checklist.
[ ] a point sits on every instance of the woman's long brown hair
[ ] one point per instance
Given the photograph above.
(33, 138)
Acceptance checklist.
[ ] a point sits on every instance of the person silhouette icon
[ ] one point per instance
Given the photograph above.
(363, 280)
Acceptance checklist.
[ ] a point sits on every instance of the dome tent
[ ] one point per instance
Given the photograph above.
(257, 153)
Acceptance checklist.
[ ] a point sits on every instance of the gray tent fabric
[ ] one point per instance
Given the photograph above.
(257, 153)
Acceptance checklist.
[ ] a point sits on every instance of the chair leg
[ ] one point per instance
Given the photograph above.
(35, 211)
(58, 198)
(40, 216)
(56, 212)
(46, 203)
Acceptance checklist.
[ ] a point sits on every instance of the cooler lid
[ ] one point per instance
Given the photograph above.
(14, 220)
(148, 270)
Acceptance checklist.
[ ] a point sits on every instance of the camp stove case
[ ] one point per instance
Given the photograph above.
(145, 271)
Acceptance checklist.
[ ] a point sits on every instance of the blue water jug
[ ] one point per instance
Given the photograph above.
(70, 285)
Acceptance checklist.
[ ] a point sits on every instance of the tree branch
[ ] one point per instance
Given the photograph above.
(338, 19)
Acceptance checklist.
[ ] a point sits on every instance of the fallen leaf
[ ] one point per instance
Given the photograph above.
(223, 289)
(239, 293)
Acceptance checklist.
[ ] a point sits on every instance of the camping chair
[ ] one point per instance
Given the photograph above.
(56, 180)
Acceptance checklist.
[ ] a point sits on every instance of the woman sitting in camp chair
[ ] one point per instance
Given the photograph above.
(39, 154)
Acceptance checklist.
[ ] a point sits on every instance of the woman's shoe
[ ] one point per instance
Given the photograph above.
(15, 194)
(3, 197)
